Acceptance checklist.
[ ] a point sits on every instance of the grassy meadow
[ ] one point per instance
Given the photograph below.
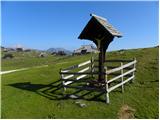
(36, 93)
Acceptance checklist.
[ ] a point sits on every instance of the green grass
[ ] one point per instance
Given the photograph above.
(32, 93)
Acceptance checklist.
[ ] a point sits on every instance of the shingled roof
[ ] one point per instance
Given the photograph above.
(108, 26)
(96, 23)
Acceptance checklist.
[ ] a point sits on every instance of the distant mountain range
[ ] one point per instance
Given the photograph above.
(51, 50)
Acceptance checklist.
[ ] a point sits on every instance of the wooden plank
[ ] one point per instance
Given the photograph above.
(69, 76)
(122, 78)
(92, 66)
(61, 78)
(80, 77)
(76, 73)
(135, 68)
(121, 67)
(117, 77)
(75, 66)
(112, 67)
(67, 83)
(118, 85)
(107, 93)
(83, 70)
(84, 63)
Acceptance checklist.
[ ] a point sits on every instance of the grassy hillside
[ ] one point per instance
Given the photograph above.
(35, 93)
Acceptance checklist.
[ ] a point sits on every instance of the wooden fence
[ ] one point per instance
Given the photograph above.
(127, 73)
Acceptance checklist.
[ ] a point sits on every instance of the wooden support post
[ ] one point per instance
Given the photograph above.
(134, 71)
(122, 77)
(92, 67)
(101, 76)
(61, 77)
(106, 82)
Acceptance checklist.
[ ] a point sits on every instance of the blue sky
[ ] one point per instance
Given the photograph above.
(42, 25)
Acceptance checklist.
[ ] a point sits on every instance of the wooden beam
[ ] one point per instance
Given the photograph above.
(76, 73)
(122, 67)
(118, 85)
(122, 75)
(76, 66)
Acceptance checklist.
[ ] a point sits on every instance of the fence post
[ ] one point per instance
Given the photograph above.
(106, 82)
(134, 71)
(92, 64)
(122, 77)
(61, 77)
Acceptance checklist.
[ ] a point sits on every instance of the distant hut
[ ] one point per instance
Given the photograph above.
(61, 53)
(42, 54)
(84, 49)
(19, 49)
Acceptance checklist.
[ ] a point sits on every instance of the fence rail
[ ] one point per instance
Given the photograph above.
(89, 69)
(82, 73)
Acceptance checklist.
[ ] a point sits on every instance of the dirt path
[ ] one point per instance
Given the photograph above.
(10, 71)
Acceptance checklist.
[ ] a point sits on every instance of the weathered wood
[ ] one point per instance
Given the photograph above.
(118, 85)
(121, 67)
(122, 78)
(75, 66)
(67, 82)
(61, 78)
(107, 93)
(84, 63)
(80, 77)
(76, 73)
(135, 69)
(69, 76)
(112, 67)
(72, 75)
(92, 66)
(83, 70)
(122, 75)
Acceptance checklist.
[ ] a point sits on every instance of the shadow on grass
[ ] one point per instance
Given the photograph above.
(54, 91)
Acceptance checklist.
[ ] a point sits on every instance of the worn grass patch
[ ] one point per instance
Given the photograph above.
(126, 112)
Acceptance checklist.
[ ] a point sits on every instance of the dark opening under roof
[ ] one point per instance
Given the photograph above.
(98, 28)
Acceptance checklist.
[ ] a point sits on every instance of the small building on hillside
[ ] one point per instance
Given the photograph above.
(42, 54)
(18, 49)
(84, 49)
(61, 53)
